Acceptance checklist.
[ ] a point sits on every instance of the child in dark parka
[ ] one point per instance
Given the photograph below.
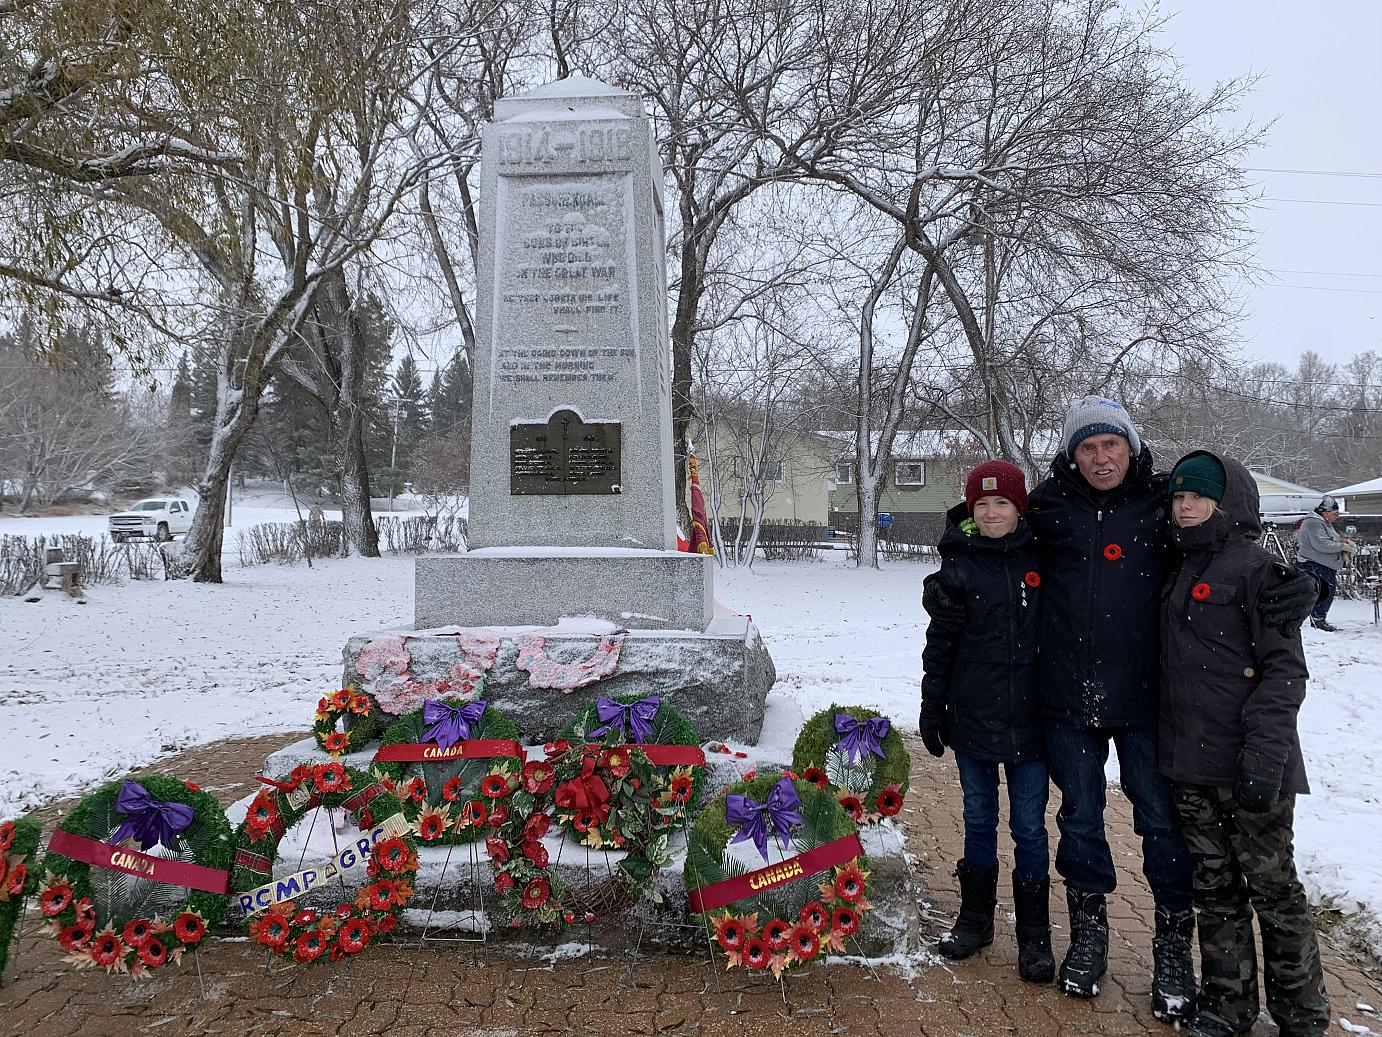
(979, 696)
(1231, 689)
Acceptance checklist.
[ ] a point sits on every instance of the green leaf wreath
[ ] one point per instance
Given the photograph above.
(18, 876)
(345, 721)
(868, 788)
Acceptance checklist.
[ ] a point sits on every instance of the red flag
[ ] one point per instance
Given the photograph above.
(700, 524)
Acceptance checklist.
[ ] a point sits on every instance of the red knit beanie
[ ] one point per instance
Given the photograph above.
(997, 478)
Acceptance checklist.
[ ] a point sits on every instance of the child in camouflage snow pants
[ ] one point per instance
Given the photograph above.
(1231, 689)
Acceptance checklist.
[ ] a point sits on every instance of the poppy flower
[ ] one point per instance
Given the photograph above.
(495, 786)
(431, 826)
(845, 920)
(192, 786)
(330, 777)
(568, 917)
(814, 915)
(1113, 552)
(189, 927)
(55, 899)
(497, 848)
(682, 787)
(590, 916)
(262, 815)
(107, 949)
(538, 776)
(1032, 579)
(341, 699)
(849, 883)
(74, 937)
(535, 894)
(536, 853)
(392, 854)
(336, 742)
(889, 801)
(298, 775)
(616, 761)
(816, 777)
(451, 789)
(756, 954)
(805, 944)
(1201, 592)
(853, 807)
(310, 946)
(354, 936)
(730, 932)
(536, 826)
(305, 917)
(777, 934)
(415, 792)
(335, 953)
(86, 913)
(585, 821)
(558, 748)
(503, 882)
(137, 932)
(359, 705)
(385, 925)
(498, 816)
(473, 813)
(366, 819)
(6, 836)
(153, 953)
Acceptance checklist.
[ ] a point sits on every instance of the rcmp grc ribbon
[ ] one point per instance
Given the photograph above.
(861, 738)
(783, 808)
(132, 862)
(148, 820)
(812, 862)
(450, 724)
(637, 717)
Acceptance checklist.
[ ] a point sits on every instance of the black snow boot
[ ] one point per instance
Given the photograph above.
(973, 930)
(1032, 901)
(1173, 970)
(1087, 958)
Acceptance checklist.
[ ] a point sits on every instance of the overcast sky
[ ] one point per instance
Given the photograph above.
(1321, 69)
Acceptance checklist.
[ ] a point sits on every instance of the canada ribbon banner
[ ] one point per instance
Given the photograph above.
(142, 865)
(293, 886)
(813, 861)
(470, 749)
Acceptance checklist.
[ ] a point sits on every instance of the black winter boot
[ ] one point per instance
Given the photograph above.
(973, 930)
(1087, 958)
(1032, 901)
(1173, 971)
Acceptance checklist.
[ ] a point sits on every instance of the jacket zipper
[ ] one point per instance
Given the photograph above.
(1012, 644)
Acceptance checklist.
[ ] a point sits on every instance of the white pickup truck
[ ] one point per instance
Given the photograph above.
(156, 518)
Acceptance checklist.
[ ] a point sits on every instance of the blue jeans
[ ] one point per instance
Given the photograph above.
(1331, 579)
(1076, 757)
(1028, 789)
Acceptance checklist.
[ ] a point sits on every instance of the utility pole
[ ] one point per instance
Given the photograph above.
(395, 412)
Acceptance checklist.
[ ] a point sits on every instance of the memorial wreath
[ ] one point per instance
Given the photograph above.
(346, 721)
(18, 876)
(855, 754)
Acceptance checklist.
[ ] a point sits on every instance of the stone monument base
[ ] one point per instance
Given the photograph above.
(535, 586)
(717, 677)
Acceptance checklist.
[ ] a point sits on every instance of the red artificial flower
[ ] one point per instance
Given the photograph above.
(616, 761)
(756, 954)
(853, 807)
(536, 853)
(535, 894)
(192, 786)
(86, 913)
(849, 883)
(298, 775)
(568, 917)
(498, 816)
(107, 949)
(272, 930)
(845, 921)
(816, 777)
(341, 699)
(137, 931)
(310, 946)
(336, 743)
(334, 952)
(1201, 592)
(584, 822)
(682, 787)
(538, 776)
(495, 786)
(262, 815)
(750, 775)
(431, 827)
(416, 791)
(730, 932)
(558, 748)
(1032, 579)
(473, 813)
(889, 801)
(385, 925)
(359, 705)
(354, 936)
(54, 900)
(153, 953)
(366, 818)
(392, 854)
(1113, 552)
(777, 933)
(189, 927)
(805, 943)
(497, 848)
(451, 790)
(503, 882)
(6, 836)
(74, 937)
(814, 915)
(536, 826)
(305, 917)
(330, 777)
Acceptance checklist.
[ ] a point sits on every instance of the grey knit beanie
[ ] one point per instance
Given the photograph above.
(1094, 416)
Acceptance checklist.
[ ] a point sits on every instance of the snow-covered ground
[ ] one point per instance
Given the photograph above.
(87, 692)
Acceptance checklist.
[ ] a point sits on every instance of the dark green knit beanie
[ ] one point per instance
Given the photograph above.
(1199, 473)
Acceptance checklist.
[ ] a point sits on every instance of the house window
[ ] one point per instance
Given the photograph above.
(844, 473)
(773, 471)
(910, 473)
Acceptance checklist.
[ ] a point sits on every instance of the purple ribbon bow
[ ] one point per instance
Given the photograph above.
(148, 820)
(636, 717)
(450, 724)
(782, 808)
(858, 738)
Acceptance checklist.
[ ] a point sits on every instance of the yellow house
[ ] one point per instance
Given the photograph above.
(796, 473)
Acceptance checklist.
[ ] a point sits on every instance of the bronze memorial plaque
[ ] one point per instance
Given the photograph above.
(564, 455)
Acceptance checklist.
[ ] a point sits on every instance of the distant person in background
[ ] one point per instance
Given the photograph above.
(1320, 550)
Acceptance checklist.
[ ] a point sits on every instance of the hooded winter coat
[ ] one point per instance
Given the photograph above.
(1104, 558)
(1231, 686)
(984, 670)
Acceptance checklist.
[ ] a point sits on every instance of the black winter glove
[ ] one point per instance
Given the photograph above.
(931, 724)
(1287, 603)
(1259, 784)
(940, 604)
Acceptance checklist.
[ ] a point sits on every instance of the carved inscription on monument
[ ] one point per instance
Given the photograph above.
(565, 455)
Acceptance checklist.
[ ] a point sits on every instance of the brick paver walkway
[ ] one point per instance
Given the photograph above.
(403, 991)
